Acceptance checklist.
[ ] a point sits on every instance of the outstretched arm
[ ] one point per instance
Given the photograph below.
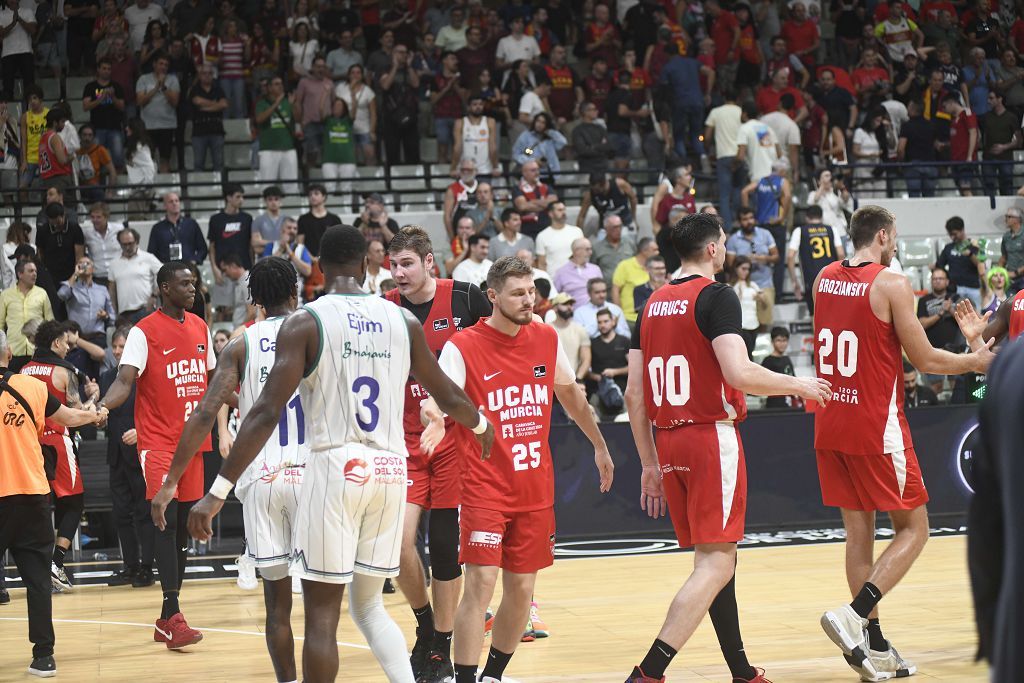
(121, 389)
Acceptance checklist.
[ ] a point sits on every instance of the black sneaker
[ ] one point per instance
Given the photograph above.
(44, 667)
(122, 577)
(420, 655)
(143, 578)
(389, 587)
(5, 597)
(438, 669)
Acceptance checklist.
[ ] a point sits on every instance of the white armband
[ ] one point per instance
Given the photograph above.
(221, 488)
(481, 426)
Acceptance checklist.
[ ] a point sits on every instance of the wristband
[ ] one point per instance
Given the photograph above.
(221, 488)
(481, 426)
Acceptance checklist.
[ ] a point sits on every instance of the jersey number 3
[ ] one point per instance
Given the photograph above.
(369, 402)
(845, 346)
(670, 380)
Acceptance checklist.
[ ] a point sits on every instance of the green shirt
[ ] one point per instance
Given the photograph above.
(275, 133)
(16, 309)
(339, 148)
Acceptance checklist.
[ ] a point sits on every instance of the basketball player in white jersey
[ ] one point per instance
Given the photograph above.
(349, 353)
(476, 138)
(269, 487)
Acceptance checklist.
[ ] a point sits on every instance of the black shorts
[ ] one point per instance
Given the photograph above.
(163, 140)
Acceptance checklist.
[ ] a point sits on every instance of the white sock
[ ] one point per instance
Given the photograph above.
(366, 605)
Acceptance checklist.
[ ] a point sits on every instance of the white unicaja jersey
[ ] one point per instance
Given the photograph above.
(288, 446)
(476, 143)
(354, 393)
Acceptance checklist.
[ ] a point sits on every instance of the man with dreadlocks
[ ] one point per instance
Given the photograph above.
(269, 487)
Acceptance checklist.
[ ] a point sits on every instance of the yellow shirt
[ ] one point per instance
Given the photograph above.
(16, 309)
(628, 275)
(21, 460)
(35, 124)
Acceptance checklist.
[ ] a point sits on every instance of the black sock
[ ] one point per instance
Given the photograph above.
(58, 555)
(496, 663)
(657, 660)
(170, 606)
(878, 641)
(726, 619)
(424, 623)
(443, 643)
(181, 539)
(145, 568)
(465, 673)
(866, 600)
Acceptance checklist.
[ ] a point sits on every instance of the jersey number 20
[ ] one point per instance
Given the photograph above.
(670, 380)
(845, 345)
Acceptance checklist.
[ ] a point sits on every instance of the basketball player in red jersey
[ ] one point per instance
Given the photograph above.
(688, 372)
(443, 307)
(509, 364)
(864, 320)
(1007, 321)
(168, 355)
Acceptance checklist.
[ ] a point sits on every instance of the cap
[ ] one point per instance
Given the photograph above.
(23, 250)
(374, 197)
(562, 298)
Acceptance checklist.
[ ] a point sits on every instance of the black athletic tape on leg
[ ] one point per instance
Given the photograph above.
(444, 544)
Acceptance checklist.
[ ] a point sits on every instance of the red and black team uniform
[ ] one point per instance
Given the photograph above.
(68, 478)
(866, 458)
(508, 516)
(695, 413)
(173, 358)
(1017, 315)
(434, 482)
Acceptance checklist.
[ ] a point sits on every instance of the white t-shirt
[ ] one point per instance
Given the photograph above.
(135, 280)
(472, 272)
(361, 114)
(138, 19)
(18, 41)
(454, 365)
(747, 294)
(531, 104)
(785, 129)
(555, 245)
(136, 350)
(727, 120)
(510, 49)
(761, 149)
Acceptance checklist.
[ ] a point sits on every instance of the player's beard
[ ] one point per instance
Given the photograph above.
(517, 315)
(887, 256)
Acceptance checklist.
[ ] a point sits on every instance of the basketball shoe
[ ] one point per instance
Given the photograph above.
(889, 664)
(161, 634)
(420, 655)
(59, 579)
(43, 667)
(537, 626)
(437, 669)
(639, 676)
(179, 633)
(846, 629)
(758, 678)
(246, 573)
(143, 578)
(5, 597)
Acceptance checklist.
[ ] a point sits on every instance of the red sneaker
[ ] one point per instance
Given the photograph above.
(181, 634)
(759, 678)
(638, 676)
(161, 634)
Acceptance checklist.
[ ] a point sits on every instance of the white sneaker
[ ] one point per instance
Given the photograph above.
(246, 573)
(845, 628)
(59, 579)
(296, 585)
(889, 664)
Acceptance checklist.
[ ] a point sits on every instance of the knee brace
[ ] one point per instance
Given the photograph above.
(444, 544)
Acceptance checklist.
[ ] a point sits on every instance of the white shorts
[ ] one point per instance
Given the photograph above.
(269, 507)
(350, 515)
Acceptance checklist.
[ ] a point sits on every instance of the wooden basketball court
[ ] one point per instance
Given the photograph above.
(603, 614)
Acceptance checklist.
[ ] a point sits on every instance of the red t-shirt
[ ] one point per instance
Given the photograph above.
(800, 36)
(748, 45)
(563, 91)
(449, 106)
(1017, 34)
(866, 77)
(1017, 315)
(722, 29)
(597, 90)
(607, 50)
(959, 136)
(670, 201)
(767, 99)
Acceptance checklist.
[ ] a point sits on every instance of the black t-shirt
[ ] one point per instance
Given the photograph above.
(469, 304)
(783, 366)
(58, 248)
(106, 116)
(232, 234)
(312, 230)
(716, 312)
(207, 122)
(945, 334)
(924, 396)
(616, 123)
(81, 26)
(609, 354)
(958, 263)
(837, 103)
(374, 231)
(920, 135)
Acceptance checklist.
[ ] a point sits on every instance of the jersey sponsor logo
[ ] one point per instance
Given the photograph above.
(187, 371)
(846, 395)
(289, 472)
(1018, 305)
(357, 472)
(360, 324)
(669, 469)
(389, 469)
(839, 288)
(13, 419)
(167, 351)
(662, 309)
(201, 348)
(488, 378)
(507, 431)
(441, 324)
(487, 539)
(348, 350)
(457, 322)
(540, 371)
(268, 345)
(518, 401)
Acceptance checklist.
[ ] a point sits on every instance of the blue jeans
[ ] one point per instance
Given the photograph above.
(688, 126)
(1004, 171)
(728, 196)
(921, 180)
(203, 143)
(113, 140)
(972, 293)
(234, 89)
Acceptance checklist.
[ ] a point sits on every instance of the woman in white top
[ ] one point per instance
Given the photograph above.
(303, 49)
(868, 151)
(139, 155)
(834, 200)
(301, 15)
(362, 107)
(750, 298)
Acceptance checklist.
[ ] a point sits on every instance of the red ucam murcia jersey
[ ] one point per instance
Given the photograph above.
(683, 382)
(512, 380)
(1017, 315)
(863, 359)
(173, 358)
(42, 370)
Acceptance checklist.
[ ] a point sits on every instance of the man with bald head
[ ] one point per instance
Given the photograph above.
(532, 198)
(528, 257)
(177, 237)
(572, 278)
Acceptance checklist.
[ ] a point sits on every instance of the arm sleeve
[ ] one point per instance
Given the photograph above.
(136, 350)
(718, 311)
(565, 373)
(52, 405)
(453, 364)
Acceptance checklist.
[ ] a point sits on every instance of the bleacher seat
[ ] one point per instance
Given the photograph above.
(414, 184)
(167, 182)
(917, 252)
(407, 170)
(51, 89)
(210, 184)
(237, 156)
(439, 170)
(237, 130)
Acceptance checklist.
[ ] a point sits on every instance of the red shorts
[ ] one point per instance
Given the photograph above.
(521, 542)
(68, 479)
(705, 479)
(435, 483)
(156, 465)
(871, 482)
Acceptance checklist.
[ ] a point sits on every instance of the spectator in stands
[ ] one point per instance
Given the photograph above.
(96, 173)
(681, 195)
(935, 311)
(315, 222)
(571, 335)
(517, 86)
(18, 25)
(631, 273)
(622, 111)
(608, 352)
(55, 159)
(777, 361)
(963, 261)
(963, 142)
(590, 141)
(751, 297)
(154, 42)
(133, 280)
(485, 213)
(204, 44)
(1012, 247)
(264, 55)
(376, 273)
(917, 143)
(88, 303)
(18, 234)
(266, 227)
(399, 86)
(230, 232)
(510, 240)
(375, 222)
(176, 237)
(303, 48)
(834, 200)
(32, 125)
(55, 195)
(311, 104)
(21, 302)
(460, 243)
(759, 246)
(613, 248)
(139, 15)
(915, 394)
(474, 57)
(531, 197)
(756, 147)
(208, 103)
(723, 127)
(157, 94)
(460, 196)
(60, 242)
(379, 58)
(787, 133)
(601, 38)
(565, 94)
(474, 268)
(615, 197)
(541, 143)
(101, 241)
(773, 204)
(105, 101)
(446, 97)
(683, 75)
(50, 25)
(573, 277)
(516, 46)
(871, 145)
(343, 57)
(235, 48)
(1001, 135)
(770, 96)
(898, 34)
(554, 243)
(993, 289)
(657, 275)
(362, 106)
(276, 123)
(235, 275)
(339, 149)
(476, 140)
(1010, 78)
(124, 71)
